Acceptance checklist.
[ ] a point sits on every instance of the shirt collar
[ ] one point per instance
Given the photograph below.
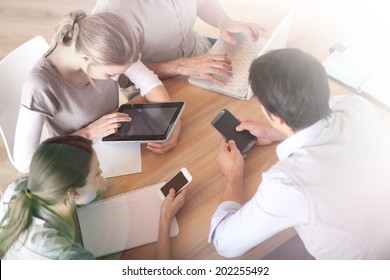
(301, 138)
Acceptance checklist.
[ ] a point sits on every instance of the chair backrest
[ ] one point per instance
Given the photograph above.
(14, 70)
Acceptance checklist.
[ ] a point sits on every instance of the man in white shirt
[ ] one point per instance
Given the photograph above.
(332, 180)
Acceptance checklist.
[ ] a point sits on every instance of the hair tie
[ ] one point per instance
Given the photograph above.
(76, 20)
(75, 26)
(28, 193)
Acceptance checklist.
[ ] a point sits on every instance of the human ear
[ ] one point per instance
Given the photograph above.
(281, 125)
(277, 119)
(85, 194)
(73, 194)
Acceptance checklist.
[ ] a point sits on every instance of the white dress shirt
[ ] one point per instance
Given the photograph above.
(278, 204)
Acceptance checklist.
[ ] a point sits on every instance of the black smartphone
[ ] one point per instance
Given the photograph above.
(178, 182)
(226, 123)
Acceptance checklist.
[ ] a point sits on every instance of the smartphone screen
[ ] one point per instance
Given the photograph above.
(226, 124)
(180, 180)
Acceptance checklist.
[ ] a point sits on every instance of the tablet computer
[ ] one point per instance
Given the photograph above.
(152, 122)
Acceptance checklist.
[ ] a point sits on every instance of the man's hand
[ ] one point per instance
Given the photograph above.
(264, 133)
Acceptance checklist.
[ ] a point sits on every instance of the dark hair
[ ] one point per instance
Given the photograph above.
(292, 85)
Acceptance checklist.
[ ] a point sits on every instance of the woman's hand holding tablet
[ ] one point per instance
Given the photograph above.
(152, 122)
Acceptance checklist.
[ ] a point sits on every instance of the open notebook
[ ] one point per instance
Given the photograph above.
(122, 222)
(242, 56)
(363, 64)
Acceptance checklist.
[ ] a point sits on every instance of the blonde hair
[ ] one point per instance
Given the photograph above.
(104, 37)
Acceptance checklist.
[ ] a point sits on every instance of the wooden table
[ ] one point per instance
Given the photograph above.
(318, 25)
(197, 150)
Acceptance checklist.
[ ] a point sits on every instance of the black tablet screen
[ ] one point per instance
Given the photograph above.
(149, 122)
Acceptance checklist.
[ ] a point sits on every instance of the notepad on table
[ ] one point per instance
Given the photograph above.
(122, 222)
(363, 64)
(118, 158)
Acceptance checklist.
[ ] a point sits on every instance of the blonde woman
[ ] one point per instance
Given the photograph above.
(73, 88)
(36, 211)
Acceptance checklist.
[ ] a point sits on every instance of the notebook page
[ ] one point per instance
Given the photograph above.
(118, 158)
(122, 222)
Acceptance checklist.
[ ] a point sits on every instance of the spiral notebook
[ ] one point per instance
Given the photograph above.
(122, 222)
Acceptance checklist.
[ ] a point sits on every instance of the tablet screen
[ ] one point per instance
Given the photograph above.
(149, 122)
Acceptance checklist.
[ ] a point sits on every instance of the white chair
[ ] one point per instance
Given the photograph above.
(14, 70)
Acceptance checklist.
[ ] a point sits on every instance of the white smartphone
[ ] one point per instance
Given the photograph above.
(177, 182)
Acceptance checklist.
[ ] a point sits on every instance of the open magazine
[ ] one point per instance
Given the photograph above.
(363, 64)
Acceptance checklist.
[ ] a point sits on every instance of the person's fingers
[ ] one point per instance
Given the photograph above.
(232, 145)
(250, 126)
(223, 144)
(221, 58)
(158, 148)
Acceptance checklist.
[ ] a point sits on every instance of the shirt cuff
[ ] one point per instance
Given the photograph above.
(224, 211)
(143, 78)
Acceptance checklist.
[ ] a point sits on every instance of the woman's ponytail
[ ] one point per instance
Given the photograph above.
(68, 29)
(19, 219)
